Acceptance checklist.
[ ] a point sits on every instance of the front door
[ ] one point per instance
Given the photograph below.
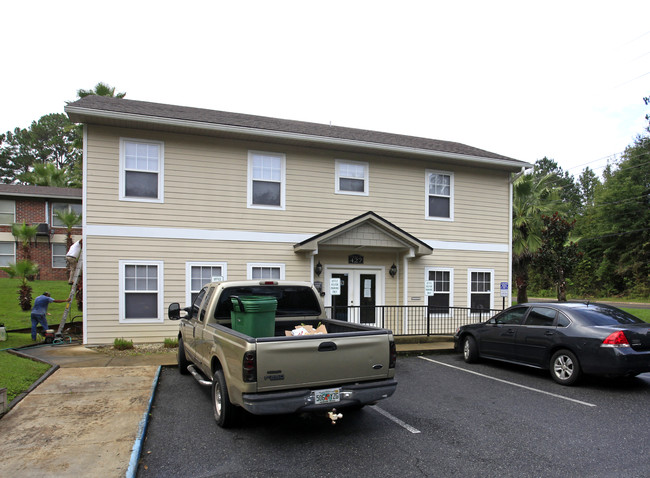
(359, 294)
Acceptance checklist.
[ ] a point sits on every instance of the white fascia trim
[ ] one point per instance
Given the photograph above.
(251, 236)
(467, 246)
(292, 136)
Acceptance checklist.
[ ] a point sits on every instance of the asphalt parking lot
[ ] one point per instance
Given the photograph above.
(447, 418)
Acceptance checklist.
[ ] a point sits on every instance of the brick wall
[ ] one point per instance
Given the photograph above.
(32, 211)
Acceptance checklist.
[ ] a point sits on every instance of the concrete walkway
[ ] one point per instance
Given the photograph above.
(88, 418)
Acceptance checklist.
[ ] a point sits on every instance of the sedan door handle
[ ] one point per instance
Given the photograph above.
(549, 332)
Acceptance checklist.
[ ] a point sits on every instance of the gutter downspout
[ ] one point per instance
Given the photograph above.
(511, 199)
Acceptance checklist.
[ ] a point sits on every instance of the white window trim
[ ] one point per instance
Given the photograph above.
(14, 219)
(251, 265)
(426, 195)
(249, 189)
(469, 288)
(366, 186)
(64, 253)
(188, 275)
(161, 288)
(161, 167)
(451, 282)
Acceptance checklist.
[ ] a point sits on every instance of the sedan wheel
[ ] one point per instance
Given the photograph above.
(564, 366)
(470, 350)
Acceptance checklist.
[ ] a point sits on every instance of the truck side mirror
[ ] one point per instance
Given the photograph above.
(174, 311)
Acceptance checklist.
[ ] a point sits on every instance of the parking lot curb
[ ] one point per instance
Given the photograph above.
(142, 430)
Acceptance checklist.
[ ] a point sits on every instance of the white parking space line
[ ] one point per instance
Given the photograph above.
(395, 419)
(510, 383)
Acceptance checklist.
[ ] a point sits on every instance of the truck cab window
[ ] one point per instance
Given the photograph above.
(197, 304)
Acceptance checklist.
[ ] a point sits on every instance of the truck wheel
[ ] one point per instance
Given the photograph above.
(183, 363)
(225, 413)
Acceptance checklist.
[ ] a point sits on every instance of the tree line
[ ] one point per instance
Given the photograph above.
(590, 236)
(48, 152)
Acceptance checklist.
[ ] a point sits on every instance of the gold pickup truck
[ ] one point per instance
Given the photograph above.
(346, 367)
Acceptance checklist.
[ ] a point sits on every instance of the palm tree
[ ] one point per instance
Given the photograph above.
(69, 219)
(101, 89)
(25, 234)
(533, 197)
(23, 269)
(46, 174)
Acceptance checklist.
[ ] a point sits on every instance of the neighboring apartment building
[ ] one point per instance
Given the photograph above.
(37, 205)
(175, 197)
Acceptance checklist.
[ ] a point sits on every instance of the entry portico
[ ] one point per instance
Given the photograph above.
(369, 256)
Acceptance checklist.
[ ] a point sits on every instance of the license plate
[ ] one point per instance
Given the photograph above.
(331, 395)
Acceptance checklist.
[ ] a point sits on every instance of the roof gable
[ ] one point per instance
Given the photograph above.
(367, 231)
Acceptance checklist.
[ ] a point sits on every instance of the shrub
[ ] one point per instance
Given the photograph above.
(170, 343)
(123, 344)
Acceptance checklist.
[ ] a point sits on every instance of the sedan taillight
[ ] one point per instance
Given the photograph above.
(616, 339)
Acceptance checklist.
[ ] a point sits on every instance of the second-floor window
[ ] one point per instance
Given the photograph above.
(266, 180)
(64, 207)
(351, 177)
(7, 211)
(141, 170)
(440, 195)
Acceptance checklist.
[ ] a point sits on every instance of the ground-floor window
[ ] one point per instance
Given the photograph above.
(480, 290)
(58, 256)
(7, 253)
(141, 296)
(200, 273)
(265, 271)
(442, 297)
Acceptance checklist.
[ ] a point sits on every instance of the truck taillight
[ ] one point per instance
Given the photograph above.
(393, 355)
(249, 367)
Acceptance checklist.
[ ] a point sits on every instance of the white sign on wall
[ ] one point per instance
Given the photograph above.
(428, 287)
(335, 286)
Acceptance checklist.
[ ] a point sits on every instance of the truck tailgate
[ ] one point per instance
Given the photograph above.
(320, 360)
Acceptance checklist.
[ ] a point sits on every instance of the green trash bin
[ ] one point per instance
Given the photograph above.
(254, 315)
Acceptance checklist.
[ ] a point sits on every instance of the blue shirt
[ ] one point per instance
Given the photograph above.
(41, 304)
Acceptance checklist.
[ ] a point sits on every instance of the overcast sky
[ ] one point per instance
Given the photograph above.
(562, 79)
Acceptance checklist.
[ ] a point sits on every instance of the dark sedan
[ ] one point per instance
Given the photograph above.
(568, 339)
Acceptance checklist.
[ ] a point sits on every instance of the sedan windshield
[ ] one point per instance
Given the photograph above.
(598, 314)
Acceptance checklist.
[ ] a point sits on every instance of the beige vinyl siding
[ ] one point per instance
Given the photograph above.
(205, 182)
(103, 288)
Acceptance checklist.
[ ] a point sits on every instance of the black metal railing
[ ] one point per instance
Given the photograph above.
(412, 319)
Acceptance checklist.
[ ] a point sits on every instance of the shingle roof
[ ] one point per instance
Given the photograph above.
(92, 108)
(40, 191)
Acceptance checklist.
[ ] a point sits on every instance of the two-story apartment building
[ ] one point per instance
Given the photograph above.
(37, 205)
(176, 196)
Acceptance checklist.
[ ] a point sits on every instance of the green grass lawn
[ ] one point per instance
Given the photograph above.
(15, 318)
(17, 374)
(643, 314)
